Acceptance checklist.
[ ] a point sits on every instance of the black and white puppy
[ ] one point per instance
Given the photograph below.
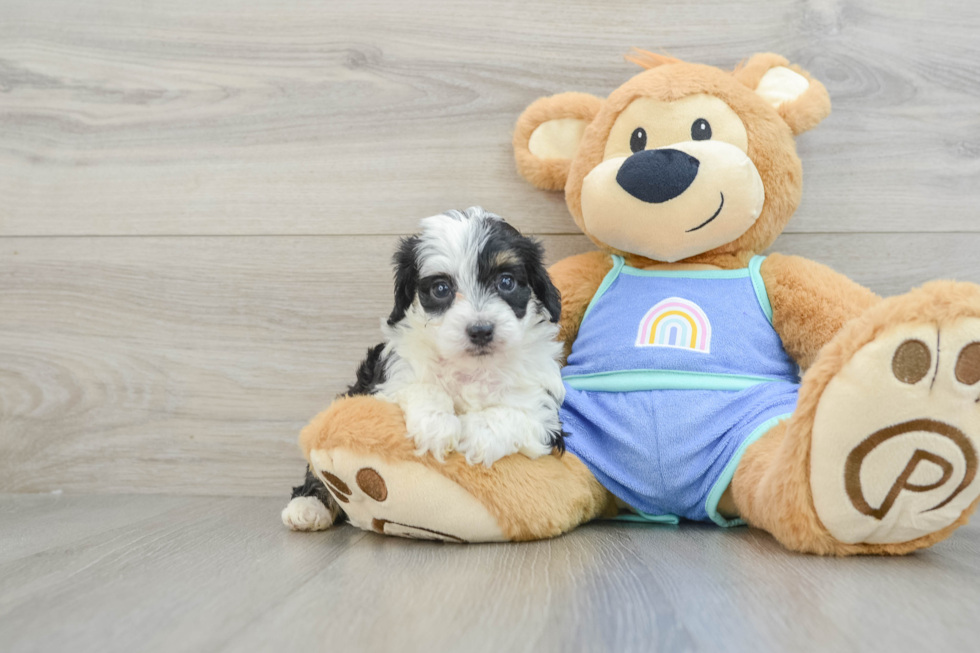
(470, 350)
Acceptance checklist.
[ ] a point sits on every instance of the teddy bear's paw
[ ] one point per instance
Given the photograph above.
(309, 514)
(403, 498)
(897, 433)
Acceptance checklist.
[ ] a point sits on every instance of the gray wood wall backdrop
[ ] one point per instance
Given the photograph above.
(198, 199)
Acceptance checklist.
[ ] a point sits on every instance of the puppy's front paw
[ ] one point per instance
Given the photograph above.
(308, 514)
(437, 433)
(535, 449)
(485, 440)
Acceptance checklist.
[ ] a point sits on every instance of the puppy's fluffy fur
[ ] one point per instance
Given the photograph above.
(470, 353)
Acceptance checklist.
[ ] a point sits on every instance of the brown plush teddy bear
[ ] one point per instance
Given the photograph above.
(685, 348)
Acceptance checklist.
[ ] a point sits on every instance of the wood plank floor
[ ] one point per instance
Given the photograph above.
(164, 573)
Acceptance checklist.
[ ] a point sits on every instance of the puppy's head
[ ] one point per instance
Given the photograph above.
(472, 283)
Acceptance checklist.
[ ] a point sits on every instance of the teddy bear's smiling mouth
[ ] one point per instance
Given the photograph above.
(708, 221)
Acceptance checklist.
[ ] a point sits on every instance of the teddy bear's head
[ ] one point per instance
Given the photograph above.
(680, 161)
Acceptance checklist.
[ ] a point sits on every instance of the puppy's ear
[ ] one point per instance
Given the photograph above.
(540, 282)
(406, 278)
(801, 100)
(547, 135)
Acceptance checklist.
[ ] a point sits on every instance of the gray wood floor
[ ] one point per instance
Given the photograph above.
(166, 573)
(197, 204)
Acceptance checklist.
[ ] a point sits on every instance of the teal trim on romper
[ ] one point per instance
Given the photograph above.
(718, 489)
(753, 271)
(618, 263)
(646, 518)
(760, 286)
(640, 380)
(687, 274)
(651, 379)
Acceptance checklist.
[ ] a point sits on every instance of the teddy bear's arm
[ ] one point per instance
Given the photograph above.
(810, 303)
(577, 278)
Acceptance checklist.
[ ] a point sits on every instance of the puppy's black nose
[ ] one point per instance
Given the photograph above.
(656, 176)
(480, 333)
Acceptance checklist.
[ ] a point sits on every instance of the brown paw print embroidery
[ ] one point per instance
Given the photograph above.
(372, 484)
(337, 487)
(913, 362)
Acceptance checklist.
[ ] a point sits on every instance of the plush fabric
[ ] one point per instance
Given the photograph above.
(880, 455)
(551, 173)
(659, 400)
(771, 487)
(738, 340)
(770, 147)
(577, 278)
(367, 430)
(810, 303)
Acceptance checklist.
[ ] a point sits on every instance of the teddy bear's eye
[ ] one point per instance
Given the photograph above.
(700, 130)
(638, 141)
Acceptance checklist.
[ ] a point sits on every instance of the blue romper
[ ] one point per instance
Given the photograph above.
(673, 374)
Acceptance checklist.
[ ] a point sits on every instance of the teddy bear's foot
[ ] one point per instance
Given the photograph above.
(880, 456)
(403, 498)
(359, 449)
(896, 435)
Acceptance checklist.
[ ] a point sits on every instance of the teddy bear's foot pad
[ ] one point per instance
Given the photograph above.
(897, 433)
(403, 498)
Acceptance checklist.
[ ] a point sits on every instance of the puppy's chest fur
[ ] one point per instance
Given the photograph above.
(471, 389)
(478, 383)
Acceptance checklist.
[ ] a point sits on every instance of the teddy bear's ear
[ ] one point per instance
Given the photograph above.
(801, 100)
(547, 136)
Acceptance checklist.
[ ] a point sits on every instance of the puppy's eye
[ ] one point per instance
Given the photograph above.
(441, 290)
(506, 283)
(700, 130)
(638, 141)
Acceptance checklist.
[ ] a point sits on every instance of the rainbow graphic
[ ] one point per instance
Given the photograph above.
(678, 323)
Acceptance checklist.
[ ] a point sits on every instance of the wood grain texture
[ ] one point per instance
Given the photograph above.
(358, 116)
(168, 574)
(211, 574)
(197, 205)
(188, 365)
(183, 365)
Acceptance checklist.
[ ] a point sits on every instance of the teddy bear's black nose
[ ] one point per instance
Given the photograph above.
(656, 176)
